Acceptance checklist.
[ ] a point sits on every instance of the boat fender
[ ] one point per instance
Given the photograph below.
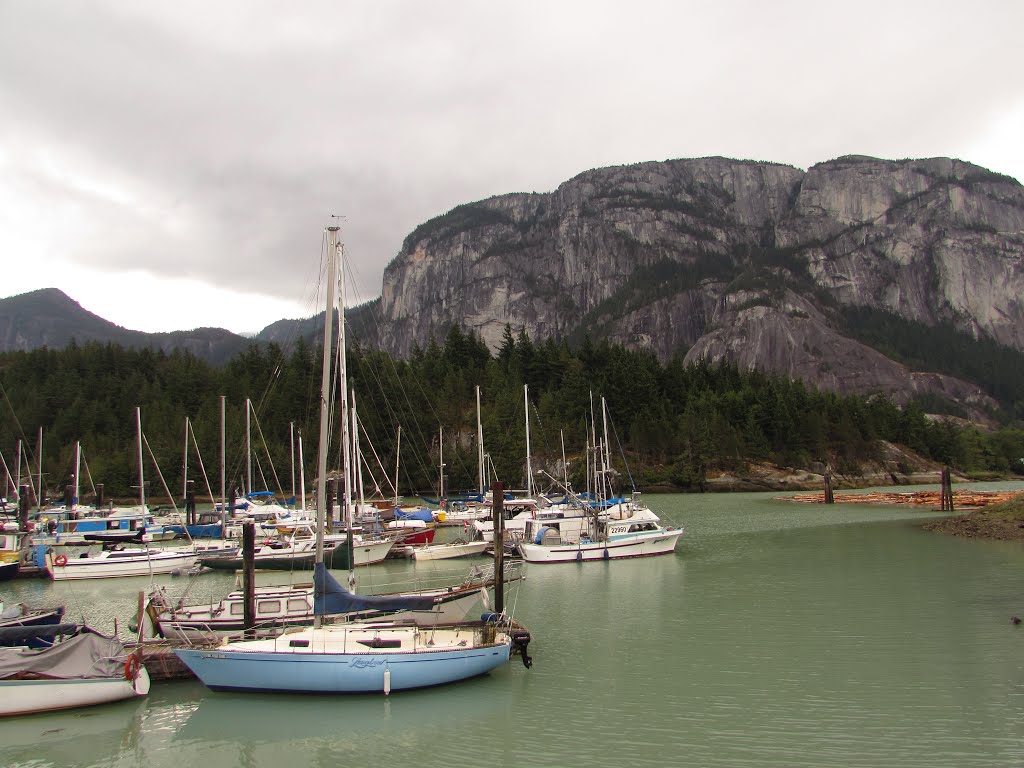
(606, 553)
(387, 681)
(131, 666)
(60, 560)
(490, 617)
(579, 555)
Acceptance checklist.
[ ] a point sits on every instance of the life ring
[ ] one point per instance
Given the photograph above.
(131, 666)
(60, 560)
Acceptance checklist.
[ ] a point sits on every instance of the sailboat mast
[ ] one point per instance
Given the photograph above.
(39, 493)
(479, 447)
(78, 468)
(325, 394)
(302, 474)
(142, 476)
(346, 441)
(291, 434)
(223, 479)
(398, 450)
(565, 464)
(248, 449)
(357, 468)
(17, 478)
(607, 457)
(184, 463)
(440, 465)
(529, 468)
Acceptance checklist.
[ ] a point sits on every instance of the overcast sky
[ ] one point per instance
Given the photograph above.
(171, 165)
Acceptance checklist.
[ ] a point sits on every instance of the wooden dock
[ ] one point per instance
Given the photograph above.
(160, 661)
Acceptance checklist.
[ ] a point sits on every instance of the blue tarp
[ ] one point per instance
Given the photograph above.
(418, 514)
(330, 597)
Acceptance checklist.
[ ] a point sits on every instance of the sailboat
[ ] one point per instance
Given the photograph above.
(115, 560)
(358, 657)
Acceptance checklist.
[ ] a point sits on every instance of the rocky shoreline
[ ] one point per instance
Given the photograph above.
(1002, 522)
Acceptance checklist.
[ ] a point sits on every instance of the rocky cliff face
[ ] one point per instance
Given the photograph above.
(728, 260)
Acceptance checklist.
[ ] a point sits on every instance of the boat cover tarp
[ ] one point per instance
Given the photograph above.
(417, 514)
(329, 597)
(88, 655)
(33, 635)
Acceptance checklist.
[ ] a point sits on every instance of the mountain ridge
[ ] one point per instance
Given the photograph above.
(749, 262)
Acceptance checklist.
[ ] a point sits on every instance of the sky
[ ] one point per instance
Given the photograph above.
(173, 165)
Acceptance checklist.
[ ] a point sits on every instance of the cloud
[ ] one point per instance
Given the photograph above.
(210, 142)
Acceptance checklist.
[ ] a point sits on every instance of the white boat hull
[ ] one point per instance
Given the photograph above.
(119, 564)
(448, 551)
(661, 542)
(24, 697)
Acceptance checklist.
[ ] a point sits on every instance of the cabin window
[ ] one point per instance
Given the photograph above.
(298, 644)
(380, 642)
(268, 606)
(295, 606)
(237, 609)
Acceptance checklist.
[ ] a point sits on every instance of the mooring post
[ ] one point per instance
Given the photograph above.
(498, 512)
(99, 495)
(23, 508)
(829, 498)
(249, 576)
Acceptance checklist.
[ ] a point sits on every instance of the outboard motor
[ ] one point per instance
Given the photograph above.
(520, 644)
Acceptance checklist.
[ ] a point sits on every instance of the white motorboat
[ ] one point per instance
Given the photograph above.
(117, 560)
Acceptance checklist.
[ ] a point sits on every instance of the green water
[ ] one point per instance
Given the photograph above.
(780, 634)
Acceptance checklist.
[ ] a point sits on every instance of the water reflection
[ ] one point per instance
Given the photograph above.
(74, 737)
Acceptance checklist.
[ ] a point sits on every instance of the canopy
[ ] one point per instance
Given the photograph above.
(88, 655)
(330, 597)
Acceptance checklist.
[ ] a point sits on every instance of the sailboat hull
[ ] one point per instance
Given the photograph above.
(284, 665)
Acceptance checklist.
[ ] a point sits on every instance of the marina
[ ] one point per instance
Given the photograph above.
(777, 634)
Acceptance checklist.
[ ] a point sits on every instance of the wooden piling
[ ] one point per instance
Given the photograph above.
(23, 501)
(829, 497)
(498, 512)
(946, 490)
(249, 576)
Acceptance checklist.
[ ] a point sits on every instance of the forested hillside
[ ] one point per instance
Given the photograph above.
(672, 424)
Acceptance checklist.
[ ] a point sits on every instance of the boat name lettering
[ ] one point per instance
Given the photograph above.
(361, 663)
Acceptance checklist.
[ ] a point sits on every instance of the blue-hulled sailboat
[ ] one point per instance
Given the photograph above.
(357, 657)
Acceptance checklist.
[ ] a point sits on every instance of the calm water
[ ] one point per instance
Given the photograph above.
(780, 634)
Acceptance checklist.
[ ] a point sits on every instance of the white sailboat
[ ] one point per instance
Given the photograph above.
(116, 559)
(358, 657)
